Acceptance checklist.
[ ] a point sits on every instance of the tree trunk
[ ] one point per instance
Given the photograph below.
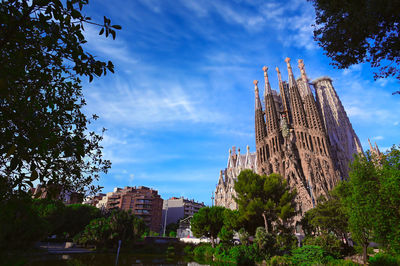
(365, 246)
(212, 242)
(265, 222)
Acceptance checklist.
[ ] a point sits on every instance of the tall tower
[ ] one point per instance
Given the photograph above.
(294, 143)
(274, 140)
(343, 140)
(319, 160)
(308, 141)
(261, 133)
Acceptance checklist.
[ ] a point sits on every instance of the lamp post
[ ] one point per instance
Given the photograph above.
(165, 218)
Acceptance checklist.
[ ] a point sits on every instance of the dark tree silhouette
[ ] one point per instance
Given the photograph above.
(43, 131)
(359, 31)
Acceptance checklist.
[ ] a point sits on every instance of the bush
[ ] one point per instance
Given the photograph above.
(53, 212)
(266, 242)
(203, 251)
(384, 259)
(329, 243)
(188, 250)
(244, 236)
(285, 242)
(307, 255)
(280, 260)
(342, 263)
(245, 255)
(222, 252)
(77, 217)
(226, 235)
(20, 224)
(106, 231)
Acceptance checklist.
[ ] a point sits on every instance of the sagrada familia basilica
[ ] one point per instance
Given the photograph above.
(307, 139)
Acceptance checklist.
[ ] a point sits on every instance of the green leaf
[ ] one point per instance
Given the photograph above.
(34, 175)
(14, 163)
(11, 150)
(101, 31)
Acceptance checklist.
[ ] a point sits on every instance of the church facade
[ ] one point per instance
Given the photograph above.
(307, 139)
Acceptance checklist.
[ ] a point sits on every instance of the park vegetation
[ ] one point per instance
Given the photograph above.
(359, 211)
(26, 221)
(44, 133)
(354, 32)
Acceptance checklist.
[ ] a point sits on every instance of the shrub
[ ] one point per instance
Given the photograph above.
(226, 235)
(285, 242)
(341, 263)
(245, 255)
(20, 224)
(384, 259)
(106, 231)
(280, 260)
(329, 243)
(222, 252)
(266, 242)
(244, 236)
(203, 251)
(188, 250)
(307, 255)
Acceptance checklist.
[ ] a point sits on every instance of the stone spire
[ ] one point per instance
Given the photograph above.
(296, 104)
(260, 129)
(343, 141)
(257, 94)
(370, 145)
(313, 118)
(283, 94)
(271, 114)
(304, 78)
(267, 90)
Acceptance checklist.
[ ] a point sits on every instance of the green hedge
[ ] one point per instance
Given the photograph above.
(384, 259)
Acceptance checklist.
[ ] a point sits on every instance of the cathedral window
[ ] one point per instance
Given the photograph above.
(273, 144)
(323, 144)
(319, 145)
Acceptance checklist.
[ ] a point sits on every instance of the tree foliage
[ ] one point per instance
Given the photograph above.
(329, 216)
(264, 200)
(77, 217)
(44, 134)
(358, 195)
(107, 231)
(208, 221)
(358, 31)
(372, 199)
(20, 224)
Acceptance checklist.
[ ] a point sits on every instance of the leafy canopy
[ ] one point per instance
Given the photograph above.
(371, 197)
(44, 135)
(208, 221)
(358, 31)
(264, 200)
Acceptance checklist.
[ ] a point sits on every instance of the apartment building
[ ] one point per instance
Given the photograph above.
(177, 208)
(144, 202)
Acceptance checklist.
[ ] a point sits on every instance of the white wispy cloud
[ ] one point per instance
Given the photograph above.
(126, 104)
(116, 50)
(293, 22)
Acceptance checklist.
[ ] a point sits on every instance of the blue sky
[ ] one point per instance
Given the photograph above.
(182, 93)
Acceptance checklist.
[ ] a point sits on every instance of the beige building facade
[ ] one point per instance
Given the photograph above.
(225, 192)
(307, 139)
